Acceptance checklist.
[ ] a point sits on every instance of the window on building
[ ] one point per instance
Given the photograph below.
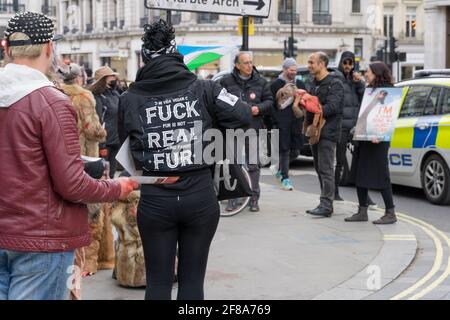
(321, 12)
(321, 6)
(176, 18)
(285, 12)
(48, 9)
(411, 22)
(407, 72)
(121, 14)
(10, 7)
(415, 102)
(113, 23)
(206, 17)
(388, 20)
(105, 14)
(89, 17)
(356, 6)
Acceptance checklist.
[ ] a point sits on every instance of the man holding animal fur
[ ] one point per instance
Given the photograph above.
(324, 128)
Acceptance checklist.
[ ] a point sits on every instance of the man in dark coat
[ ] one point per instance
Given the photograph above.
(285, 121)
(245, 82)
(354, 89)
(330, 91)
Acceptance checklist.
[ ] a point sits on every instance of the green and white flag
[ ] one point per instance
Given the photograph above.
(197, 56)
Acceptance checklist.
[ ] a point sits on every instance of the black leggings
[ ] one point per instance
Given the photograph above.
(189, 221)
(363, 197)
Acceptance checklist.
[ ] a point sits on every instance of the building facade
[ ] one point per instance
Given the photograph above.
(437, 34)
(10, 7)
(403, 20)
(99, 32)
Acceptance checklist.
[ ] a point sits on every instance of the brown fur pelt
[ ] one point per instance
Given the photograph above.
(313, 130)
(286, 96)
(100, 254)
(287, 93)
(130, 264)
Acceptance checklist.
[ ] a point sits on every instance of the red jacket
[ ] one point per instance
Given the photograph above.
(43, 187)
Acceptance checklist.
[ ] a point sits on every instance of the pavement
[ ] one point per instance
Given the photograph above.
(281, 253)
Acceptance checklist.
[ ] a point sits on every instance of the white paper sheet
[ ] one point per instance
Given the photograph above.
(125, 158)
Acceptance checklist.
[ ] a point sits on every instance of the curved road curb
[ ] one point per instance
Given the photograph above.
(396, 255)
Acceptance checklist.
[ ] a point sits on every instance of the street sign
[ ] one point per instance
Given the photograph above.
(254, 8)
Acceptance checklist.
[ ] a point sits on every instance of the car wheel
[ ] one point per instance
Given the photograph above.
(436, 180)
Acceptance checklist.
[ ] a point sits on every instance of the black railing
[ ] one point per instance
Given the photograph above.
(286, 17)
(9, 8)
(49, 11)
(322, 18)
(121, 24)
(113, 24)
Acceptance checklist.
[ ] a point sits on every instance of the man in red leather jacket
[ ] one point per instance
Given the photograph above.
(43, 188)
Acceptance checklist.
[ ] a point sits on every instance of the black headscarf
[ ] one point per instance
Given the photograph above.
(163, 74)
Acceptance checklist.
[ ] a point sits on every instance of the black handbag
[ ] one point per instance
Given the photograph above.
(230, 181)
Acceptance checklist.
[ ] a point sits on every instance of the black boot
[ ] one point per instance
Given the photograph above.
(361, 216)
(388, 218)
(322, 212)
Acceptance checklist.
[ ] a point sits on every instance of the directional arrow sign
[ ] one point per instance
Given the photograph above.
(255, 8)
(257, 4)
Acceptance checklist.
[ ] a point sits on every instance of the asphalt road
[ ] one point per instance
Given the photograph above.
(410, 201)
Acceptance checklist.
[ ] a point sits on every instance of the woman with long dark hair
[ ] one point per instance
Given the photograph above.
(371, 159)
(165, 113)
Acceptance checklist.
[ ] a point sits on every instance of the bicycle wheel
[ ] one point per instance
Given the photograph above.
(239, 204)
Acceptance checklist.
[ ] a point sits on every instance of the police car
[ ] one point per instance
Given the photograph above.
(420, 148)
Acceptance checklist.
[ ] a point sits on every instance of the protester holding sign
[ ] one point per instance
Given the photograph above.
(371, 157)
(166, 113)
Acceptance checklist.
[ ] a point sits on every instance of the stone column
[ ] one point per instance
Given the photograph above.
(435, 37)
(62, 15)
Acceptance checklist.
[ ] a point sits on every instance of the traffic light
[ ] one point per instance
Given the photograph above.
(2, 49)
(393, 48)
(380, 55)
(292, 47)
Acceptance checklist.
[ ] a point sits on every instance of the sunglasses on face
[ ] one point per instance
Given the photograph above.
(348, 63)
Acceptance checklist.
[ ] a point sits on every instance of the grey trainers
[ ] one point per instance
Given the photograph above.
(388, 218)
(361, 216)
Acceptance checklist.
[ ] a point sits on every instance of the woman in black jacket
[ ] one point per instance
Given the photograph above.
(166, 113)
(371, 159)
(107, 106)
